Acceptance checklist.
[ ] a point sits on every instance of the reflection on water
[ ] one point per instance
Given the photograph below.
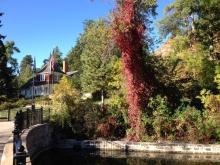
(58, 157)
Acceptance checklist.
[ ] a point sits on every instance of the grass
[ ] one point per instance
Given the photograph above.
(4, 113)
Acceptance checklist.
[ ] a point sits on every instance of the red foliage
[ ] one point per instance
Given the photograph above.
(128, 33)
(107, 128)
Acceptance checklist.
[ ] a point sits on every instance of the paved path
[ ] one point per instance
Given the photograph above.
(5, 132)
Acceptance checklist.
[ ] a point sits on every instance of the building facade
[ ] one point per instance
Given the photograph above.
(42, 82)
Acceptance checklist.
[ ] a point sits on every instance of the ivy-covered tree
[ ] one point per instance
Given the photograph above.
(131, 19)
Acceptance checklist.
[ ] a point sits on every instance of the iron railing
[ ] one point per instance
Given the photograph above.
(23, 120)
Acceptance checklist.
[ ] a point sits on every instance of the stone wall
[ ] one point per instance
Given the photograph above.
(37, 139)
(140, 146)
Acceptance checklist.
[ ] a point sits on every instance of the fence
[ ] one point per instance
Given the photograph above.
(5, 115)
(29, 117)
(9, 115)
(23, 120)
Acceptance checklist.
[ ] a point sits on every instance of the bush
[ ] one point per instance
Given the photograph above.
(23, 102)
(70, 112)
(161, 117)
(188, 124)
(10, 104)
(7, 105)
(64, 99)
(85, 117)
(211, 116)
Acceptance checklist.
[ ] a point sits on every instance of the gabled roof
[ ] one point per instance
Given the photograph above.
(46, 67)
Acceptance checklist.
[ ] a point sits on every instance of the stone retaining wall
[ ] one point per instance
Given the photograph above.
(140, 146)
(37, 139)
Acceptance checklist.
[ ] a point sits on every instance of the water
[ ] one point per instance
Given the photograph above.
(69, 157)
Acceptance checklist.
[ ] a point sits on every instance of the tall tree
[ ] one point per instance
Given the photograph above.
(10, 50)
(25, 69)
(74, 62)
(96, 57)
(130, 20)
(6, 73)
(200, 20)
(58, 56)
(73, 56)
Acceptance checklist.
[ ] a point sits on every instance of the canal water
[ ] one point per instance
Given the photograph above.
(70, 157)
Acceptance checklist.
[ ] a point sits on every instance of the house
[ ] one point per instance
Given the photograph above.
(41, 84)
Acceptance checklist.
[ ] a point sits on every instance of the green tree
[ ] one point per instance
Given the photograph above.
(25, 69)
(70, 111)
(207, 26)
(58, 56)
(10, 50)
(176, 22)
(73, 56)
(211, 115)
(186, 71)
(74, 62)
(6, 72)
(117, 101)
(96, 57)
(64, 100)
(199, 20)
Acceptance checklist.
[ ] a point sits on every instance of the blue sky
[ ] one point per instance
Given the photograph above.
(37, 26)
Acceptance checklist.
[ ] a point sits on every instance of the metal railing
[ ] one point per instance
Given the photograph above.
(23, 120)
(9, 114)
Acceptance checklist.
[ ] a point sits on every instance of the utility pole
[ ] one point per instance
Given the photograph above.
(33, 85)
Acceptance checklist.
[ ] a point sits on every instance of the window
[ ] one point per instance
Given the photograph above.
(42, 77)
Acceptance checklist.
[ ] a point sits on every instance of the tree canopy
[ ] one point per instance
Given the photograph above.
(96, 56)
(25, 69)
(199, 20)
(6, 72)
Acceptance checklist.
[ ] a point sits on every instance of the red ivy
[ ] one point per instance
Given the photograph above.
(128, 33)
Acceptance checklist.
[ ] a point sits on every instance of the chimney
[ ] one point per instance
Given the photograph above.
(65, 67)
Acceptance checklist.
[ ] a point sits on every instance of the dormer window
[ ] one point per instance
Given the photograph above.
(42, 77)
